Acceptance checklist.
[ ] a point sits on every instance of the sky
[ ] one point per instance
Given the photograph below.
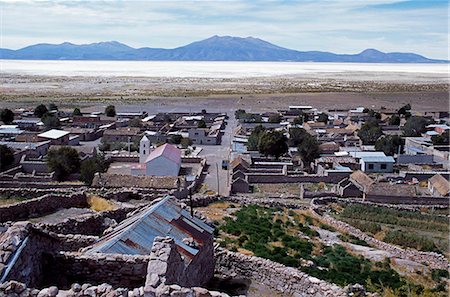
(340, 26)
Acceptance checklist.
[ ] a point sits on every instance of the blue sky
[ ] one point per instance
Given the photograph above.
(341, 26)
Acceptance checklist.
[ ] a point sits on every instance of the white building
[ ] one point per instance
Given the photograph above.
(165, 160)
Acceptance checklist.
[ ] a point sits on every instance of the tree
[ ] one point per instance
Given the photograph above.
(238, 113)
(388, 144)
(52, 106)
(40, 110)
(6, 116)
(63, 161)
(275, 118)
(253, 140)
(415, 126)
(308, 149)
(442, 139)
(176, 139)
(110, 111)
(394, 120)
(404, 110)
(6, 157)
(296, 136)
(185, 142)
(50, 121)
(201, 124)
(323, 117)
(298, 120)
(370, 132)
(203, 111)
(273, 143)
(91, 166)
(136, 122)
(77, 112)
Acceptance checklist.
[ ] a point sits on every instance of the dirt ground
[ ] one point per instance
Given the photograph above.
(225, 95)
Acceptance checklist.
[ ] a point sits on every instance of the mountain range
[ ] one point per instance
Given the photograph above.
(216, 48)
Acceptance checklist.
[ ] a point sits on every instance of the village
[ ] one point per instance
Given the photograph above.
(121, 203)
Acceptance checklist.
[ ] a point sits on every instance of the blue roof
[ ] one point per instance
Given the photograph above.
(135, 235)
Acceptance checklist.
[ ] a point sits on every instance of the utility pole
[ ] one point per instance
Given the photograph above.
(191, 203)
(217, 174)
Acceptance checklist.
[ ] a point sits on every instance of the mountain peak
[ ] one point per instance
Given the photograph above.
(214, 48)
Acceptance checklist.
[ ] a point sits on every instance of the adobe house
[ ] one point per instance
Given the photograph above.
(239, 164)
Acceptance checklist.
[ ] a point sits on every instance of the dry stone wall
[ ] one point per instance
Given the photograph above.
(288, 280)
(433, 260)
(40, 206)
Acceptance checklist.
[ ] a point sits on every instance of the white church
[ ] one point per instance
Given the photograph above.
(165, 160)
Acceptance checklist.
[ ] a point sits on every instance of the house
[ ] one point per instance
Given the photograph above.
(378, 164)
(9, 131)
(240, 185)
(165, 160)
(56, 137)
(29, 124)
(439, 186)
(239, 164)
(122, 135)
(362, 181)
(205, 136)
(193, 250)
(374, 162)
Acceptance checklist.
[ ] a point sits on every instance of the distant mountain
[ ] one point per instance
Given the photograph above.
(216, 48)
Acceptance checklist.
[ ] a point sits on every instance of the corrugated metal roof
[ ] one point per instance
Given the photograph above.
(136, 234)
(384, 159)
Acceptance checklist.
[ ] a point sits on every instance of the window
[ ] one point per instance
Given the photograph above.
(144, 152)
(370, 166)
(383, 166)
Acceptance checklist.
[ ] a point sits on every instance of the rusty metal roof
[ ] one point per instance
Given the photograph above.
(135, 235)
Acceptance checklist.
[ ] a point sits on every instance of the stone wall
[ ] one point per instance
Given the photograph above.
(90, 224)
(115, 269)
(287, 280)
(278, 178)
(21, 253)
(40, 206)
(433, 260)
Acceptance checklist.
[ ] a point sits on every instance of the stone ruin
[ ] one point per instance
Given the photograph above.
(153, 248)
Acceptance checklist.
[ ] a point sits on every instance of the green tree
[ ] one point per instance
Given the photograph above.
(52, 106)
(253, 140)
(6, 156)
(273, 143)
(389, 144)
(275, 118)
(40, 110)
(415, 126)
(91, 166)
(442, 139)
(394, 120)
(50, 121)
(298, 120)
(296, 136)
(201, 124)
(6, 116)
(176, 139)
(238, 113)
(63, 161)
(136, 122)
(77, 112)
(323, 117)
(110, 111)
(404, 110)
(308, 149)
(370, 131)
(185, 142)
